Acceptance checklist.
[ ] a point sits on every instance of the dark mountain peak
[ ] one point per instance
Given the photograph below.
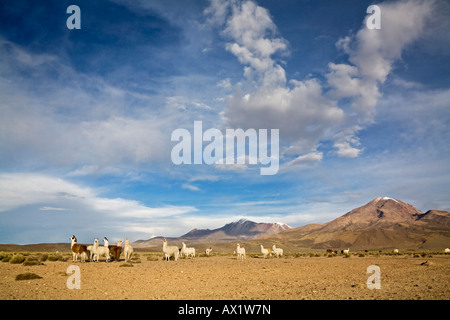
(242, 229)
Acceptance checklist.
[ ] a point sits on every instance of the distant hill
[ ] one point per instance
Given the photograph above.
(239, 230)
(39, 247)
(381, 223)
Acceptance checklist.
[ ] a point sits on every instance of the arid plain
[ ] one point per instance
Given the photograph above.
(221, 276)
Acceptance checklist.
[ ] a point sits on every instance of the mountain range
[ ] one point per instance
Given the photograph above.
(382, 223)
(240, 230)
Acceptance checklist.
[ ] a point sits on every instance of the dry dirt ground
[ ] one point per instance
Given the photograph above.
(223, 277)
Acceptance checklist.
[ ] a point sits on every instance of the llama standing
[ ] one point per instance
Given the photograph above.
(277, 251)
(128, 250)
(101, 250)
(170, 251)
(240, 252)
(78, 249)
(188, 252)
(115, 251)
(265, 251)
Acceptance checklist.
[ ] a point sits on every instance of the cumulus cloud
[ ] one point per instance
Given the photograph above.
(312, 110)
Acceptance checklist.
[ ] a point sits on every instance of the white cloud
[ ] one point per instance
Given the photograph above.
(310, 111)
(307, 158)
(190, 187)
(23, 189)
(74, 120)
(52, 209)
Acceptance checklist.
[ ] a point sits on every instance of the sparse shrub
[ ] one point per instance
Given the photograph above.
(126, 265)
(152, 258)
(361, 255)
(56, 257)
(5, 257)
(135, 258)
(27, 276)
(17, 258)
(32, 261)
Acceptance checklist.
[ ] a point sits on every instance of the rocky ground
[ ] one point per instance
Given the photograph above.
(224, 277)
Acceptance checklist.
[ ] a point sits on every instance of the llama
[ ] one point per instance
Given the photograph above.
(170, 251)
(208, 251)
(187, 251)
(240, 252)
(101, 250)
(346, 252)
(115, 251)
(89, 249)
(395, 251)
(265, 252)
(128, 250)
(78, 249)
(277, 251)
(447, 250)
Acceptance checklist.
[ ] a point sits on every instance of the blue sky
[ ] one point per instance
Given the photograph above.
(86, 115)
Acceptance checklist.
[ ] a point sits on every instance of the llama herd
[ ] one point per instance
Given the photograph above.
(175, 252)
(107, 250)
(96, 250)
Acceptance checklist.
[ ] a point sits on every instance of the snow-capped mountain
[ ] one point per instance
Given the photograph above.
(382, 223)
(242, 229)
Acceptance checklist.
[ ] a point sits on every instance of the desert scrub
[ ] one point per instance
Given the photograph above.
(27, 276)
(5, 257)
(32, 261)
(152, 258)
(17, 258)
(56, 257)
(126, 265)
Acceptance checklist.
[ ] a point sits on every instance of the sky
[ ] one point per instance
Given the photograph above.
(87, 115)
